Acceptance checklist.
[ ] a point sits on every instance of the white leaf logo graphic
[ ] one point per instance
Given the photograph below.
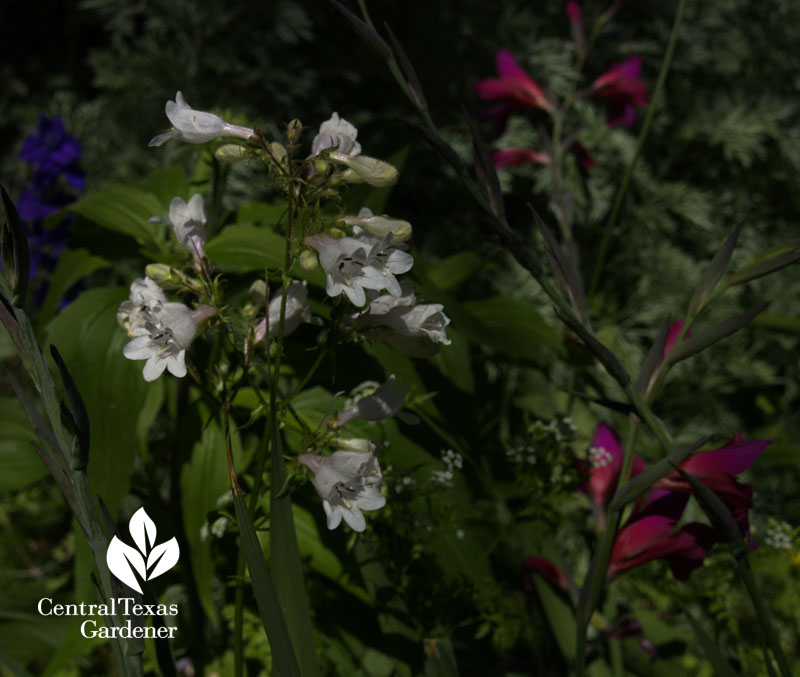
(123, 560)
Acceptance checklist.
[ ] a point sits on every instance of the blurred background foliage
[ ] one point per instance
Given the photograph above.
(724, 149)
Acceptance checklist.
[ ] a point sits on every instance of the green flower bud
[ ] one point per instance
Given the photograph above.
(308, 260)
(278, 152)
(164, 275)
(258, 292)
(230, 152)
(294, 130)
(369, 169)
(380, 226)
(353, 444)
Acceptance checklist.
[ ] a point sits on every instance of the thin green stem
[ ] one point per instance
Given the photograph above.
(626, 179)
(764, 617)
(238, 618)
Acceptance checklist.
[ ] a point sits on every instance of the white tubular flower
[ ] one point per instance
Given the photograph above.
(380, 226)
(385, 402)
(348, 482)
(414, 329)
(336, 133)
(194, 126)
(188, 221)
(352, 265)
(298, 310)
(146, 296)
(161, 330)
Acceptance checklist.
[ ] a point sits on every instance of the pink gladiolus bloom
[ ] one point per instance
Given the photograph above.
(606, 458)
(650, 534)
(513, 157)
(717, 469)
(515, 89)
(623, 90)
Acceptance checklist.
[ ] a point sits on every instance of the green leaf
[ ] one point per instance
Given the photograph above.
(508, 325)
(707, 337)
(455, 364)
(112, 387)
(768, 262)
(786, 324)
(165, 183)
(441, 659)
(19, 463)
(15, 252)
(204, 479)
(73, 265)
(124, 210)
(449, 273)
(644, 481)
(321, 558)
(287, 567)
(560, 617)
(269, 608)
(713, 273)
(244, 248)
(722, 668)
(77, 411)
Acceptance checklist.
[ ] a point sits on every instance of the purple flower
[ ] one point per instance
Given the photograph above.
(51, 146)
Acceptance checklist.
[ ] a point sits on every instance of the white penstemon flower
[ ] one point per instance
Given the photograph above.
(298, 310)
(348, 482)
(417, 329)
(336, 133)
(161, 330)
(188, 221)
(353, 265)
(194, 126)
(384, 402)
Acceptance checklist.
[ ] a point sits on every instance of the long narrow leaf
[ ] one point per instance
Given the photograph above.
(654, 357)
(713, 273)
(287, 567)
(484, 167)
(284, 662)
(441, 659)
(642, 482)
(707, 337)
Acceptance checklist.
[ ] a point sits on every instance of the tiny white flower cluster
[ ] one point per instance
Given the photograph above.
(452, 461)
(779, 535)
(405, 483)
(161, 330)
(599, 457)
(522, 453)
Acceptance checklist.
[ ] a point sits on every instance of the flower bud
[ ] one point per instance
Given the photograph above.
(294, 130)
(308, 260)
(278, 152)
(371, 170)
(380, 226)
(258, 292)
(320, 166)
(164, 275)
(353, 444)
(229, 153)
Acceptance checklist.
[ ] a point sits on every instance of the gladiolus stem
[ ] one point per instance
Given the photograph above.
(626, 179)
(764, 618)
(593, 586)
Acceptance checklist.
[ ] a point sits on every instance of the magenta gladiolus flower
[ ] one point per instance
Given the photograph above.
(623, 90)
(717, 469)
(650, 534)
(515, 89)
(513, 157)
(605, 455)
